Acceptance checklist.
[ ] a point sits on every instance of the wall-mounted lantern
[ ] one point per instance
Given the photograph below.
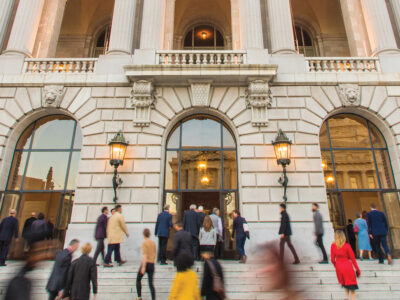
(282, 146)
(118, 147)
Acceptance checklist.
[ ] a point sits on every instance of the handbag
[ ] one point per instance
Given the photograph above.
(356, 230)
(218, 284)
(246, 230)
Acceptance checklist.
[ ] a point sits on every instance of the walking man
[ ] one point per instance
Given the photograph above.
(351, 236)
(238, 229)
(378, 229)
(116, 228)
(286, 231)
(202, 215)
(8, 229)
(319, 231)
(147, 265)
(58, 278)
(217, 223)
(101, 233)
(191, 224)
(163, 225)
(26, 231)
(182, 241)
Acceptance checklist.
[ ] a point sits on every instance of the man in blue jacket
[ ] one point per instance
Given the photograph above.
(101, 233)
(8, 229)
(163, 225)
(378, 229)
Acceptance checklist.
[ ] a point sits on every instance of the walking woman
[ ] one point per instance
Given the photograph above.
(343, 259)
(185, 285)
(212, 269)
(361, 229)
(147, 266)
(208, 236)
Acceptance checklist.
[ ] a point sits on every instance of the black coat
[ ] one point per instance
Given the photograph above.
(238, 228)
(19, 287)
(101, 227)
(8, 229)
(182, 242)
(207, 286)
(82, 272)
(58, 277)
(191, 222)
(38, 231)
(27, 227)
(201, 217)
(285, 224)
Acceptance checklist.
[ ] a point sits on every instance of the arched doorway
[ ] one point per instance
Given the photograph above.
(201, 169)
(43, 175)
(358, 172)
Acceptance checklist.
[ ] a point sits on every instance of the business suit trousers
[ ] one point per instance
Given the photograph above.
(53, 295)
(162, 249)
(195, 247)
(286, 239)
(381, 242)
(150, 273)
(320, 244)
(117, 255)
(4, 245)
(218, 249)
(99, 250)
(240, 242)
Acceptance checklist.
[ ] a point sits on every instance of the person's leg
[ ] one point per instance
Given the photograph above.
(110, 249)
(195, 248)
(139, 283)
(239, 247)
(386, 248)
(164, 243)
(347, 294)
(150, 275)
(4, 252)
(99, 249)
(369, 255)
(53, 295)
(291, 247)
(243, 244)
(320, 244)
(353, 295)
(159, 249)
(118, 253)
(282, 248)
(361, 254)
(377, 242)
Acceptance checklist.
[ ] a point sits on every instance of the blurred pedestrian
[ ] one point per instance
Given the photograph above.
(238, 230)
(39, 229)
(8, 230)
(26, 231)
(319, 232)
(163, 225)
(50, 229)
(343, 259)
(58, 277)
(147, 266)
(212, 287)
(201, 214)
(217, 223)
(112, 211)
(185, 284)
(82, 272)
(191, 224)
(285, 231)
(182, 241)
(351, 236)
(208, 236)
(101, 234)
(116, 228)
(361, 230)
(378, 228)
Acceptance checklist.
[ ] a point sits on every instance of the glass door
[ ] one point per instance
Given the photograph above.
(228, 204)
(392, 209)
(336, 210)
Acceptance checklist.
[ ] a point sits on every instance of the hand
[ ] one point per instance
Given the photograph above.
(94, 296)
(60, 294)
(282, 236)
(371, 236)
(232, 239)
(127, 235)
(358, 273)
(142, 270)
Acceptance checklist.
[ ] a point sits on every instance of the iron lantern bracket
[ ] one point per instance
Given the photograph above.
(284, 180)
(116, 180)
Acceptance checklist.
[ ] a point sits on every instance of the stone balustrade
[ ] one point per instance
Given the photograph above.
(342, 64)
(59, 65)
(196, 57)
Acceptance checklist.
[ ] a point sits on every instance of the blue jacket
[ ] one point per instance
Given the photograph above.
(238, 227)
(164, 223)
(8, 229)
(377, 223)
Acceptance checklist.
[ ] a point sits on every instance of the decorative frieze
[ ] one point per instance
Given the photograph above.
(259, 99)
(52, 95)
(142, 100)
(350, 94)
(200, 93)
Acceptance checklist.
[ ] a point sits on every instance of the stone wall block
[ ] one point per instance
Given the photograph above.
(79, 213)
(82, 97)
(127, 167)
(154, 129)
(123, 115)
(6, 92)
(268, 179)
(238, 107)
(94, 129)
(123, 92)
(23, 100)
(378, 99)
(158, 118)
(294, 114)
(253, 165)
(230, 97)
(111, 103)
(123, 193)
(366, 95)
(93, 213)
(289, 102)
(247, 128)
(4, 130)
(102, 180)
(255, 195)
(269, 212)
(393, 91)
(152, 180)
(113, 126)
(388, 106)
(147, 166)
(311, 117)
(69, 96)
(92, 166)
(218, 94)
(35, 95)
(313, 195)
(242, 118)
(277, 195)
(248, 180)
(286, 126)
(313, 151)
(86, 109)
(88, 152)
(133, 180)
(394, 118)
(264, 151)
(135, 152)
(298, 151)
(148, 139)
(106, 114)
(250, 212)
(162, 107)
(170, 97)
(274, 167)
(90, 119)
(305, 138)
(279, 91)
(317, 179)
(150, 213)
(103, 92)
(6, 119)
(308, 165)
(96, 139)
(246, 151)
(319, 95)
(249, 139)
(84, 180)
(332, 94)
(153, 152)
(299, 91)
(148, 195)
(14, 109)
(132, 213)
(88, 196)
(306, 127)
(314, 107)
(278, 114)
(183, 95)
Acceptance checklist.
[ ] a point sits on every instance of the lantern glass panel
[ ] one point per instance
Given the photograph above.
(118, 151)
(282, 151)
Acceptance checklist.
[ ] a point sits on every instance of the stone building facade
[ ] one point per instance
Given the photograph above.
(325, 72)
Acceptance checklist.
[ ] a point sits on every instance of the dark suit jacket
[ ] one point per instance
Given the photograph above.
(8, 229)
(58, 277)
(82, 272)
(27, 227)
(238, 228)
(19, 287)
(285, 224)
(101, 227)
(377, 223)
(201, 217)
(164, 223)
(207, 286)
(191, 222)
(182, 242)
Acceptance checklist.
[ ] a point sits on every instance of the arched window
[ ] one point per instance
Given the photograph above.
(304, 42)
(203, 37)
(102, 41)
(43, 173)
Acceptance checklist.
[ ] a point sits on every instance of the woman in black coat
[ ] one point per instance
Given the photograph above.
(81, 273)
(207, 287)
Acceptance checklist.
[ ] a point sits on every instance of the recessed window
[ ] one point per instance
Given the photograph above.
(304, 42)
(204, 37)
(102, 42)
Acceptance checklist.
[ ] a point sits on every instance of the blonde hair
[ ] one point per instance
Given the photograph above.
(207, 224)
(340, 238)
(86, 248)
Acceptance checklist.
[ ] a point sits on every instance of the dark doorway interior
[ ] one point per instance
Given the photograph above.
(208, 200)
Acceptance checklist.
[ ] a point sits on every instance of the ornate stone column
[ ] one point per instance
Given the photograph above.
(6, 7)
(379, 28)
(169, 25)
(281, 26)
(152, 24)
(25, 27)
(122, 29)
(396, 12)
(251, 30)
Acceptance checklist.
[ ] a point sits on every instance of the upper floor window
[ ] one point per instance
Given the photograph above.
(204, 37)
(304, 41)
(102, 42)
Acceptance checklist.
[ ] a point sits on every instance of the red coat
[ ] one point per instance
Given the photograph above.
(343, 259)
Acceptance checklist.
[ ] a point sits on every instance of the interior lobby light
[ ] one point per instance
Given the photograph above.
(205, 180)
(202, 165)
(204, 35)
(330, 179)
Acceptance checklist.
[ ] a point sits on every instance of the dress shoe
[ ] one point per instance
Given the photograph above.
(108, 265)
(323, 262)
(296, 262)
(3, 265)
(390, 261)
(122, 262)
(163, 264)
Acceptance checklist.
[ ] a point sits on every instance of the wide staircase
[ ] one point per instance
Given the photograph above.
(313, 281)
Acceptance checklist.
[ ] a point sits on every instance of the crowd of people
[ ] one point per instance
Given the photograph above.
(199, 237)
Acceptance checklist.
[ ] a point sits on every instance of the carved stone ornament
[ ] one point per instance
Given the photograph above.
(142, 100)
(52, 95)
(259, 99)
(200, 93)
(350, 94)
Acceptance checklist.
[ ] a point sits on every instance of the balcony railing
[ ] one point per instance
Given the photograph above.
(60, 65)
(200, 57)
(342, 64)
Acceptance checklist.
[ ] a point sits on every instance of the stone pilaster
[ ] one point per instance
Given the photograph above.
(122, 29)
(251, 30)
(396, 12)
(152, 24)
(25, 27)
(6, 7)
(379, 27)
(169, 25)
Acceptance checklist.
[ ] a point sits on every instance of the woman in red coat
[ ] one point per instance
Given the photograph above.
(343, 259)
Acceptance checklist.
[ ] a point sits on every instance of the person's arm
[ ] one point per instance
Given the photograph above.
(144, 260)
(68, 284)
(284, 224)
(175, 288)
(204, 287)
(16, 229)
(170, 221)
(201, 234)
(157, 224)
(350, 254)
(220, 229)
(234, 228)
(93, 277)
(123, 225)
(385, 222)
(369, 224)
(176, 243)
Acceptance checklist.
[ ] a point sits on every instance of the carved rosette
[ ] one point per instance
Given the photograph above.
(350, 94)
(142, 101)
(200, 93)
(259, 99)
(52, 95)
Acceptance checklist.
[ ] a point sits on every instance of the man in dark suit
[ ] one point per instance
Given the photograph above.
(163, 225)
(286, 231)
(182, 241)
(101, 233)
(378, 229)
(191, 224)
(58, 277)
(351, 236)
(8, 229)
(27, 230)
(201, 214)
(238, 229)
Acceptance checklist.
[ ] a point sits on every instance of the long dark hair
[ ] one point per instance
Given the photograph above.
(207, 224)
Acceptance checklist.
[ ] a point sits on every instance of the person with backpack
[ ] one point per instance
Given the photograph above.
(212, 287)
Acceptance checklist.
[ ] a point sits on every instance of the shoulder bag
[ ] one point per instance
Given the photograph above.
(218, 284)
